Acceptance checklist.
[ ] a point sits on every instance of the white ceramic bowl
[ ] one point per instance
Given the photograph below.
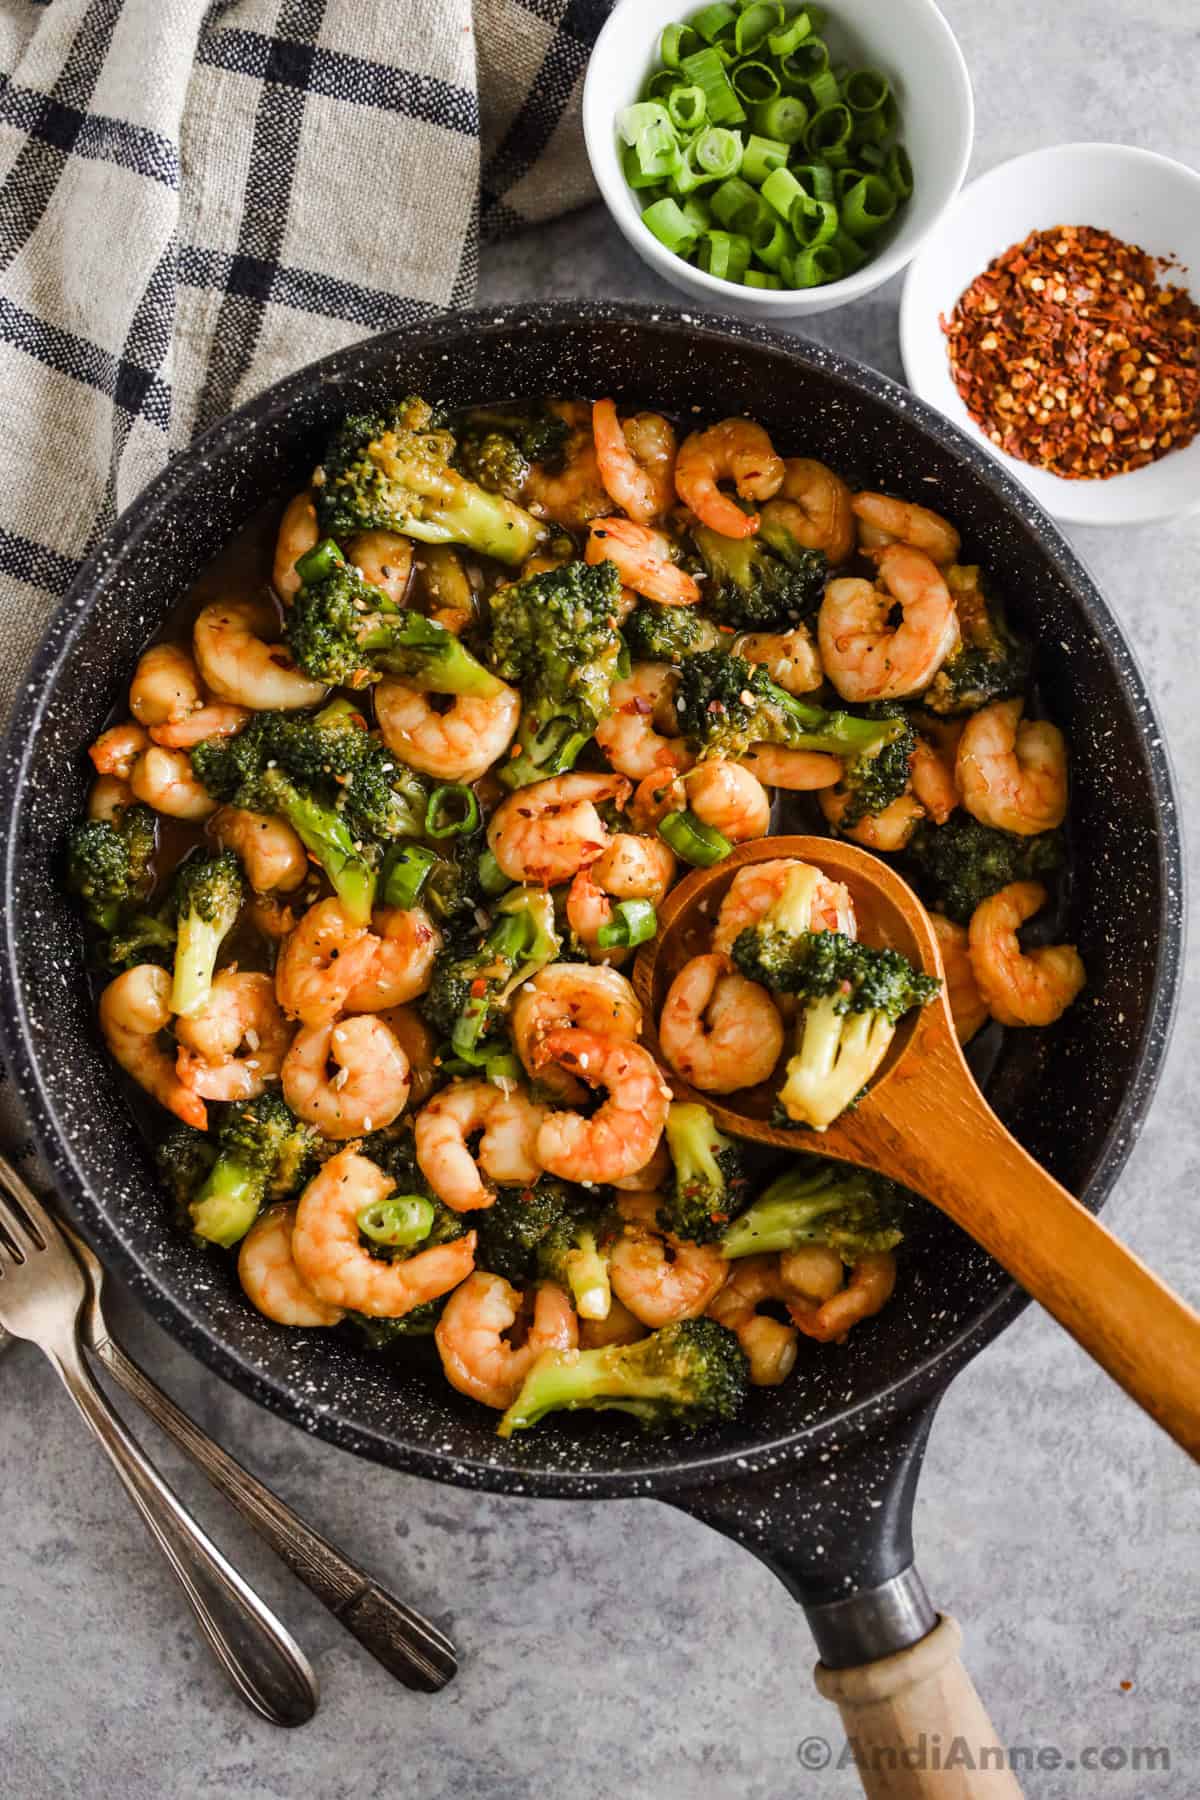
(1138, 196)
(908, 39)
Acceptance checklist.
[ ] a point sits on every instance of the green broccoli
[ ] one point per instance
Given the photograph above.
(556, 634)
(575, 1253)
(763, 583)
(389, 1334)
(709, 1176)
(469, 993)
(962, 863)
(669, 633)
(110, 864)
(853, 997)
(184, 1159)
(991, 663)
(142, 938)
(725, 704)
(689, 1374)
(853, 1211)
(343, 631)
(263, 1152)
(493, 460)
(206, 898)
(536, 434)
(874, 779)
(553, 1231)
(395, 473)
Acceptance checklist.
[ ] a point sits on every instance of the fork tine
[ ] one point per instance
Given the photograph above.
(22, 1217)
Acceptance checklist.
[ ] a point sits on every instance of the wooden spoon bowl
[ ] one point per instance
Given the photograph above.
(924, 1122)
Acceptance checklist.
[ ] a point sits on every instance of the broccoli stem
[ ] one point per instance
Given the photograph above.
(329, 839)
(565, 1380)
(791, 1213)
(227, 1204)
(196, 950)
(835, 733)
(587, 1277)
(543, 750)
(419, 650)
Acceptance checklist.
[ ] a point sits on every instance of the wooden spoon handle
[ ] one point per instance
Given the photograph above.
(946, 1142)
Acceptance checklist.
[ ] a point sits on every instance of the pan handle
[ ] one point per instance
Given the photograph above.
(837, 1531)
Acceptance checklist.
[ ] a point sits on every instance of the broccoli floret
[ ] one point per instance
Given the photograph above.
(991, 663)
(876, 778)
(395, 473)
(345, 632)
(184, 1159)
(539, 433)
(469, 993)
(206, 897)
(853, 1211)
(669, 633)
(960, 864)
(110, 864)
(387, 1334)
(263, 1152)
(689, 1374)
(494, 459)
(143, 938)
(725, 704)
(762, 583)
(575, 1253)
(556, 634)
(709, 1175)
(549, 1230)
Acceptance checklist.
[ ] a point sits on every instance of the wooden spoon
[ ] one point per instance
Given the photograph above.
(925, 1123)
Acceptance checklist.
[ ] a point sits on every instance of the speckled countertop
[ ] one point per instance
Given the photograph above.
(624, 1649)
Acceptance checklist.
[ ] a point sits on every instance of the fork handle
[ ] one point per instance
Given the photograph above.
(263, 1661)
(408, 1646)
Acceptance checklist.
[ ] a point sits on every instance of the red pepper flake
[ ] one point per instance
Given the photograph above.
(478, 988)
(1069, 354)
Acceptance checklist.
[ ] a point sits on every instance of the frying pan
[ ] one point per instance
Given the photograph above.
(817, 1477)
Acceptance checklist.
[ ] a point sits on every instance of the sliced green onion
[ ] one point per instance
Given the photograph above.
(844, 180)
(718, 151)
(319, 562)
(873, 159)
(688, 108)
(502, 1067)
(660, 86)
(657, 149)
(784, 117)
(869, 206)
(670, 226)
(724, 254)
(823, 90)
(689, 176)
(693, 841)
(706, 70)
(698, 213)
(754, 82)
(806, 61)
(828, 134)
(491, 876)
(814, 222)
(757, 22)
(713, 22)
(633, 120)
(784, 194)
(676, 42)
(814, 266)
(771, 247)
(852, 254)
(405, 871)
(631, 163)
(816, 180)
(781, 43)
(452, 811)
(761, 155)
(898, 172)
(633, 922)
(866, 90)
(737, 205)
(758, 278)
(400, 1222)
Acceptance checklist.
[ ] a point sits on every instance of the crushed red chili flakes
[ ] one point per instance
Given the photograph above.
(1070, 355)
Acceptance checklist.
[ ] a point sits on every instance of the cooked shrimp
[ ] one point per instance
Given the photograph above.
(623, 1133)
(217, 719)
(814, 1273)
(770, 1346)
(884, 520)
(632, 868)
(236, 1043)
(799, 771)
(789, 657)
(932, 774)
(636, 461)
(108, 797)
(269, 1276)
(329, 1255)
(1012, 772)
(594, 997)
(968, 1008)
(452, 738)
(661, 1278)
(371, 1085)
(298, 534)
(384, 559)
(163, 779)
(547, 832)
(868, 1290)
(864, 655)
(477, 1355)
(231, 640)
(628, 735)
(271, 853)
(724, 795)
(887, 830)
(116, 750)
(419, 1046)
(718, 1030)
(270, 917)
(1020, 987)
(166, 686)
(321, 962)
(407, 941)
(736, 450)
(619, 1327)
(507, 1125)
(651, 1177)
(757, 887)
(133, 1010)
(643, 560)
(814, 505)
(571, 492)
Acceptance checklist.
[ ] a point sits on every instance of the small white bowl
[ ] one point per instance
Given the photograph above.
(1138, 196)
(908, 39)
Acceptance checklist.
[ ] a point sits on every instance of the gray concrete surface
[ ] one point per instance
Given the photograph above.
(625, 1650)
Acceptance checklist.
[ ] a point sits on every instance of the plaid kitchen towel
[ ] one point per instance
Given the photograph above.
(198, 197)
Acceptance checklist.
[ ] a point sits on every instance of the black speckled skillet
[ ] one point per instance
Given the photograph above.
(817, 1477)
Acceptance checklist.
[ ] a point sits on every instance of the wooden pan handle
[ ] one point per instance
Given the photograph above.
(907, 1715)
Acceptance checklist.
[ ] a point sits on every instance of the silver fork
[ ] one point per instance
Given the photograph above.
(42, 1292)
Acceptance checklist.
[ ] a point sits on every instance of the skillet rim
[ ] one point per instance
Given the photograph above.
(669, 1474)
